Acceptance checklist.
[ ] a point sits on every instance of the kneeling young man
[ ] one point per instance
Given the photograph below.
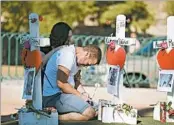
(59, 88)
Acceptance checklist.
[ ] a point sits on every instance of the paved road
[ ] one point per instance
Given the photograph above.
(11, 96)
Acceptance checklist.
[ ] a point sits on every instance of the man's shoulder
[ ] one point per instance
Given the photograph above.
(68, 49)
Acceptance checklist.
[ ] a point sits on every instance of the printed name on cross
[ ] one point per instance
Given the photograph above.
(162, 43)
(159, 44)
(117, 41)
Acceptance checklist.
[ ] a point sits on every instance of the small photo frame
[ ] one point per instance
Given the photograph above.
(166, 80)
(29, 83)
(113, 80)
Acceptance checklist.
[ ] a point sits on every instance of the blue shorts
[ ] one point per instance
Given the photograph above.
(65, 103)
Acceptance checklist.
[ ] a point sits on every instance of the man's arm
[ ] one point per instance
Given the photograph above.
(78, 85)
(62, 83)
(77, 78)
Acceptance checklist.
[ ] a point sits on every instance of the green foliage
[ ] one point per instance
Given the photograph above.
(169, 8)
(52, 12)
(16, 13)
(64, 11)
(137, 12)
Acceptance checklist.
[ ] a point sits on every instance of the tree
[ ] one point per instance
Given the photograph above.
(169, 8)
(137, 12)
(17, 13)
(68, 11)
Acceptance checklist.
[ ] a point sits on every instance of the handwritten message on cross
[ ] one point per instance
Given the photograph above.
(120, 38)
(169, 42)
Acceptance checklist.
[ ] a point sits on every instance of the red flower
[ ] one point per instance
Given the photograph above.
(164, 45)
(112, 44)
(40, 18)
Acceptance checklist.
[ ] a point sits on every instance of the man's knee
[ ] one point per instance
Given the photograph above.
(89, 112)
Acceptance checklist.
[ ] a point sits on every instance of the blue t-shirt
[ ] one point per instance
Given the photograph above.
(65, 57)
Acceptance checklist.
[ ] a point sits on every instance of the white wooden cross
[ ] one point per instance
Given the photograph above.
(168, 45)
(119, 39)
(34, 33)
(115, 80)
(35, 42)
(36, 115)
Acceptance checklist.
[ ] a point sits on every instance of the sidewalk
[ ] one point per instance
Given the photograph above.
(11, 96)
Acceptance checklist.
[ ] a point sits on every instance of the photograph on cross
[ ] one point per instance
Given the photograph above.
(29, 83)
(113, 80)
(166, 80)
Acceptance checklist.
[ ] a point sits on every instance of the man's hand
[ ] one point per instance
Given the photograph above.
(62, 83)
(85, 96)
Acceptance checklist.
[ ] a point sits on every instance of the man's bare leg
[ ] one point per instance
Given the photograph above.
(88, 114)
(73, 116)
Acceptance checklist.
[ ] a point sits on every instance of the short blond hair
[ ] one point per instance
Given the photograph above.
(94, 51)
